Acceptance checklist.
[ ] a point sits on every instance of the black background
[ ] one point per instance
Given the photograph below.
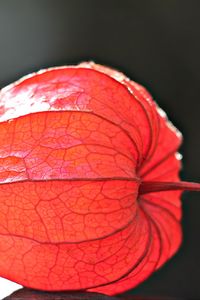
(156, 43)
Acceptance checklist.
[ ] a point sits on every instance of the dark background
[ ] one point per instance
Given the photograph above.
(156, 43)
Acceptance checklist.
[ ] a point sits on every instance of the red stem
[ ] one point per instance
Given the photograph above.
(155, 186)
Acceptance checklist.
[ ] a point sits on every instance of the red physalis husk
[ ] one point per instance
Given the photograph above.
(90, 189)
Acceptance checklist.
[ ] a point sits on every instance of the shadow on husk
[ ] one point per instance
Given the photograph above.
(28, 294)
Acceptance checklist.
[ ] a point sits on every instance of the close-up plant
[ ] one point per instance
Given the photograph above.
(92, 174)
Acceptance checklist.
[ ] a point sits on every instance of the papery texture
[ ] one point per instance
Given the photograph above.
(75, 145)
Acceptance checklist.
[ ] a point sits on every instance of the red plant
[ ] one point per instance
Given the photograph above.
(90, 191)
